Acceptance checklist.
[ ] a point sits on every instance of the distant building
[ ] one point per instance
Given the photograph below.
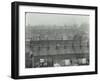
(56, 47)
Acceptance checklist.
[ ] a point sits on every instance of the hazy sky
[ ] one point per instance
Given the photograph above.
(55, 19)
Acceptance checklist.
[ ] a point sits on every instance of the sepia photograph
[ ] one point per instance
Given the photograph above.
(56, 40)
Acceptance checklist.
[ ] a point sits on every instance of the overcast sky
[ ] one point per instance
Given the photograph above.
(55, 19)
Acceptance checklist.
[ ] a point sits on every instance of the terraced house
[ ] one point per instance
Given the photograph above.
(55, 46)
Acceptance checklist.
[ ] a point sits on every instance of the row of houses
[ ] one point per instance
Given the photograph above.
(56, 47)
